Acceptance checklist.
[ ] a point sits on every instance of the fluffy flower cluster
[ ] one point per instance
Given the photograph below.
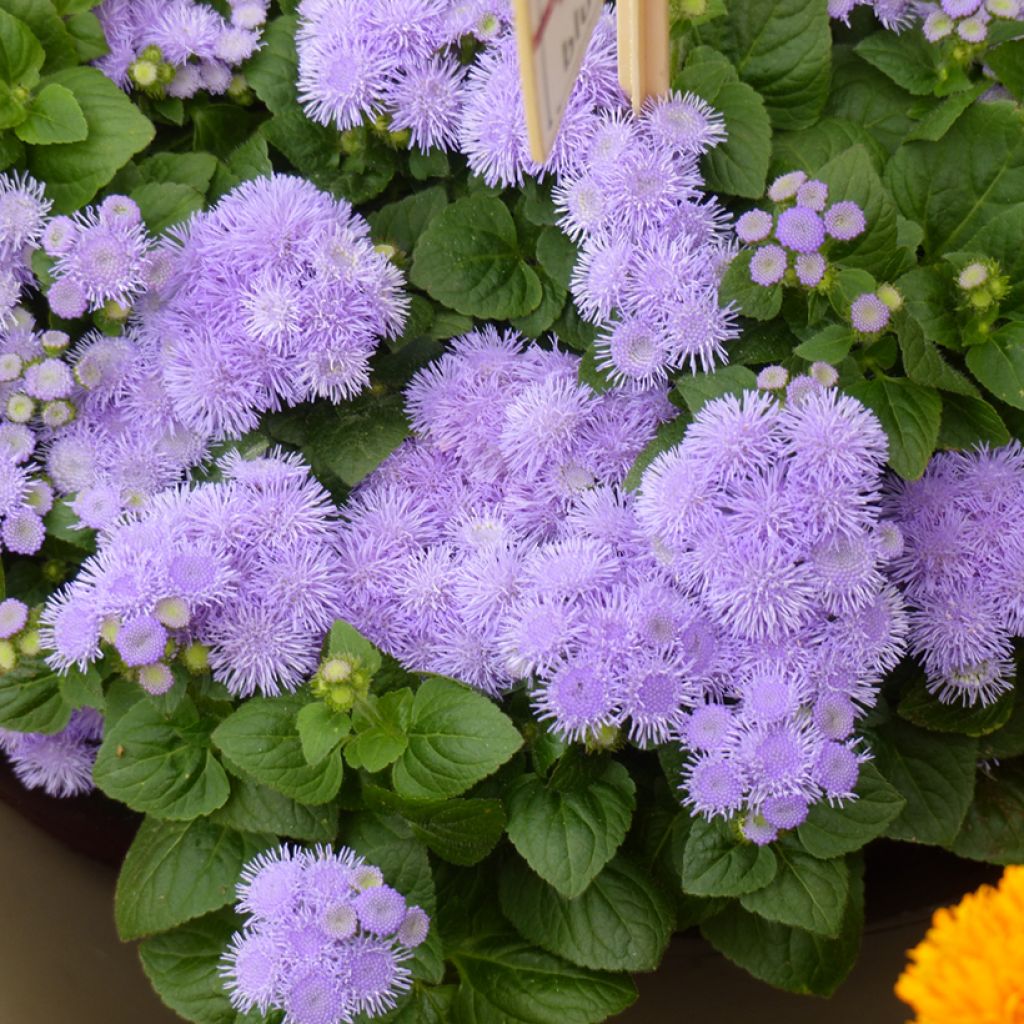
(367, 59)
(245, 568)
(23, 210)
(275, 296)
(459, 544)
(103, 255)
(59, 763)
(178, 47)
(792, 239)
(962, 569)
(766, 520)
(964, 21)
(325, 940)
(652, 245)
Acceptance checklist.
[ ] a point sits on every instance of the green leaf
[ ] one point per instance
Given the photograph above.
(54, 116)
(790, 958)
(852, 176)
(193, 169)
(933, 773)
(507, 981)
(783, 49)
(459, 831)
(993, 830)
(832, 344)
(31, 700)
(999, 364)
(49, 29)
(183, 966)
(620, 922)
(400, 224)
(739, 165)
(700, 388)
(166, 203)
(967, 422)
(862, 94)
(753, 300)
(924, 364)
(813, 148)
(262, 739)
(273, 69)
(21, 56)
(926, 294)
(468, 259)
(934, 125)
(832, 831)
(907, 58)
(75, 171)
(1007, 61)
(431, 164)
(380, 724)
(955, 186)
(253, 807)
(86, 33)
(321, 730)
(568, 835)
(246, 161)
(806, 892)
(456, 738)
(911, 415)
(176, 871)
(717, 862)
(159, 762)
(345, 641)
(925, 709)
(83, 689)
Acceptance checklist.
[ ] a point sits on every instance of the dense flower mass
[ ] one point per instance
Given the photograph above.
(273, 297)
(970, 965)
(791, 242)
(365, 59)
(962, 569)
(766, 522)
(59, 763)
(505, 506)
(245, 568)
(958, 21)
(178, 47)
(326, 939)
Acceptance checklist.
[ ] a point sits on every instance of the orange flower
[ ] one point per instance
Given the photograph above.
(970, 967)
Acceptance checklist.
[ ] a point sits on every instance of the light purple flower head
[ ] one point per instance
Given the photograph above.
(845, 220)
(58, 763)
(325, 939)
(800, 229)
(869, 314)
(768, 265)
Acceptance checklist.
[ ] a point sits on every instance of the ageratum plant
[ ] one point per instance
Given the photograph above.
(472, 572)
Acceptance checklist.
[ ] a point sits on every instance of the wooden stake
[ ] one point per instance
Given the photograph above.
(643, 49)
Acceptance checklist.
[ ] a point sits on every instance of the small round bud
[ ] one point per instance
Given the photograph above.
(773, 378)
(389, 252)
(336, 670)
(156, 679)
(55, 341)
(20, 408)
(153, 54)
(54, 571)
(143, 73)
(366, 876)
(869, 314)
(115, 311)
(786, 186)
(58, 413)
(196, 658)
(10, 367)
(824, 374)
(890, 296)
(173, 612)
(29, 643)
(109, 629)
(8, 656)
(974, 275)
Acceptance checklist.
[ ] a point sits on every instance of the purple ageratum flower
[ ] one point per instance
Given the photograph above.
(325, 940)
(427, 100)
(973, 29)
(633, 353)
(810, 269)
(23, 210)
(754, 226)
(786, 186)
(768, 265)
(299, 307)
(13, 616)
(58, 763)
(844, 220)
(960, 8)
(800, 229)
(813, 195)
(869, 314)
(684, 123)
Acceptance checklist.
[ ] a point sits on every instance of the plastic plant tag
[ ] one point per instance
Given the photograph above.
(552, 36)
